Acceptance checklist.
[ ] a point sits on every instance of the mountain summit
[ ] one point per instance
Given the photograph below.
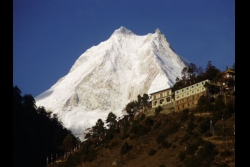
(106, 77)
(123, 31)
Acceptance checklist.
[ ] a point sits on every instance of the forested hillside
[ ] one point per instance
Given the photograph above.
(188, 138)
(36, 134)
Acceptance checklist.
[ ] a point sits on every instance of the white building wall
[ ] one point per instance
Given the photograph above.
(190, 90)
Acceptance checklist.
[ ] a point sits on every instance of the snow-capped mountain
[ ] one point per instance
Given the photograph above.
(108, 76)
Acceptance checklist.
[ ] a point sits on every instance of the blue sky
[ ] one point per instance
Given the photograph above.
(50, 35)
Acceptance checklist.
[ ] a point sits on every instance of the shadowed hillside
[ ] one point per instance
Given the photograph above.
(187, 138)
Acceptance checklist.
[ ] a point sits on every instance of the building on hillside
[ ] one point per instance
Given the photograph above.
(188, 97)
(161, 98)
(229, 73)
(229, 79)
(214, 88)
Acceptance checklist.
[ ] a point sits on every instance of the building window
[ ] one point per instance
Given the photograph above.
(168, 99)
(192, 86)
(177, 92)
(182, 90)
(187, 88)
(161, 101)
(202, 82)
(197, 84)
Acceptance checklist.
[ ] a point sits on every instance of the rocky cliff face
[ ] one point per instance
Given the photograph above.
(108, 76)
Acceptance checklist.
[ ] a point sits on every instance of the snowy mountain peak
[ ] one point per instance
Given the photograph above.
(122, 31)
(108, 76)
(160, 35)
(157, 30)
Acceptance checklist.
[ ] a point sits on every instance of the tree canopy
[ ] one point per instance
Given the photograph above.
(36, 135)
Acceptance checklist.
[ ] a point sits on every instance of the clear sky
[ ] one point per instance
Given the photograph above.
(50, 35)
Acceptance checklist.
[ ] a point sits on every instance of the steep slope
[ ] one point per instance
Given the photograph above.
(163, 140)
(108, 76)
